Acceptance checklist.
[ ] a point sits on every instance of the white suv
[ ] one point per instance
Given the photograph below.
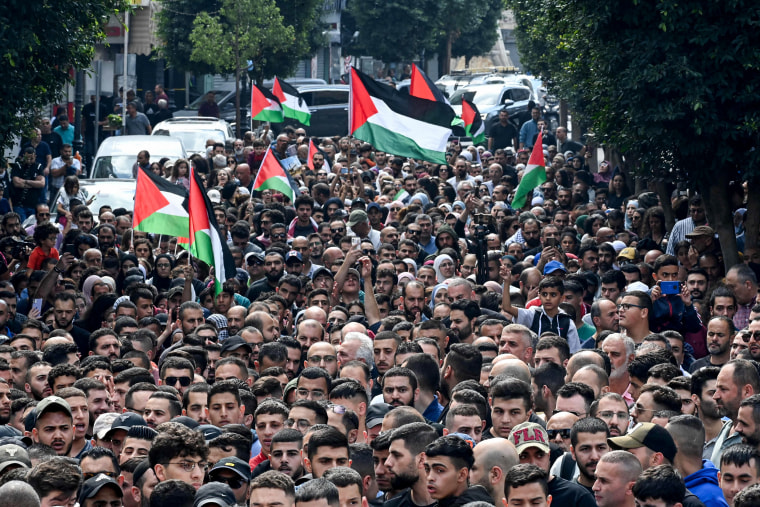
(194, 131)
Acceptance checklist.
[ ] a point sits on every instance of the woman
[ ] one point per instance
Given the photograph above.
(75, 271)
(181, 173)
(161, 277)
(156, 169)
(444, 268)
(654, 226)
(438, 295)
(618, 192)
(632, 205)
(71, 192)
(569, 243)
(637, 221)
(222, 177)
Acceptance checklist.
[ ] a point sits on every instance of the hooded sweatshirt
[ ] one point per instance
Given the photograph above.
(704, 484)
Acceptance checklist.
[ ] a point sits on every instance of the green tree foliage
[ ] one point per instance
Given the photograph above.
(477, 33)
(673, 85)
(174, 22)
(242, 31)
(393, 30)
(40, 43)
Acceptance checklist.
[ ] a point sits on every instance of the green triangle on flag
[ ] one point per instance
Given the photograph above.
(272, 176)
(293, 105)
(533, 176)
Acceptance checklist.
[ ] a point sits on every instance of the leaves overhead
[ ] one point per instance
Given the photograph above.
(40, 43)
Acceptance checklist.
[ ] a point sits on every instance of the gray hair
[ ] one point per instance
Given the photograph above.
(365, 352)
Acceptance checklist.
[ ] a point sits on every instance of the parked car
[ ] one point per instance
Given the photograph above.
(117, 156)
(329, 111)
(117, 193)
(194, 131)
(490, 98)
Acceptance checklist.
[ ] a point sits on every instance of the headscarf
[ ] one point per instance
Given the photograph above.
(87, 287)
(435, 291)
(405, 276)
(423, 198)
(437, 266)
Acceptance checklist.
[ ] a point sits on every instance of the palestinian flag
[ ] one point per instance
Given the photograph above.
(396, 123)
(401, 195)
(265, 106)
(205, 242)
(423, 88)
(293, 105)
(160, 206)
(272, 176)
(473, 123)
(533, 176)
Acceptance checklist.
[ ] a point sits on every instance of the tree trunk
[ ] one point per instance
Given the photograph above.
(752, 221)
(718, 208)
(661, 188)
(446, 67)
(563, 116)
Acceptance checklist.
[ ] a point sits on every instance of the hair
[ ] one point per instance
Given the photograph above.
(277, 480)
(524, 474)
(240, 446)
(416, 436)
(740, 455)
(745, 373)
(455, 448)
(400, 371)
(631, 467)
(550, 375)
(343, 477)
(271, 407)
(57, 353)
(62, 370)
(748, 497)
(175, 407)
(588, 425)
(318, 489)
(19, 494)
(314, 372)
(700, 378)
(134, 376)
(426, 370)
(177, 441)
(665, 397)
(348, 389)
(661, 482)
(172, 493)
(233, 360)
(511, 389)
(329, 437)
(465, 360)
(576, 388)
(55, 474)
(319, 411)
(666, 372)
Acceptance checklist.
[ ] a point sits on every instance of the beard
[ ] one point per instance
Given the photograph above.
(403, 481)
(273, 278)
(533, 242)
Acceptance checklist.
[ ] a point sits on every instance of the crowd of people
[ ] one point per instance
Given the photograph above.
(397, 335)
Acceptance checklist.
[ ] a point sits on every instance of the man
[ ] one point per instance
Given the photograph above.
(634, 310)
(136, 123)
(236, 474)
(160, 408)
(620, 350)
(503, 134)
(328, 448)
(80, 419)
(287, 453)
(720, 336)
(400, 387)
(268, 419)
(101, 490)
(224, 404)
(654, 398)
(273, 489)
(37, 386)
(318, 493)
(27, 184)
(696, 283)
(54, 425)
(532, 444)
(701, 478)
(613, 410)
(739, 469)
(359, 224)
(406, 464)
(511, 405)
(737, 380)
(748, 421)
(448, 461)
(62, 166)
(616, 474)
(651, 444)
(526, 485)
(742, 281)
(517, 340)
(530, 129)
(209, 107)
(494, 459)
(660, 486)
(181, 454)
(588, 439)
(274, 267)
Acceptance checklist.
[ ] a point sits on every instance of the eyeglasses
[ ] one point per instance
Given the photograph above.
(232, 482)
(640, 408)
(305, 393)
(301, 424)
(189, 466)
(90, 475)
(609, 414)
(627, 306)
(316, 243)
(410, 231)
(162, 265)
(337, 230)
(183, 381)
(564, 433)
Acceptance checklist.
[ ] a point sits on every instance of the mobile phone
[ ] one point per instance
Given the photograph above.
(344, 170)
(356, 242)
(37, 304)
(669, 288)
(552, 242)
(70, 249)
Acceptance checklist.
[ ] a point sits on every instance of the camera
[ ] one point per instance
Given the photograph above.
(670, 288)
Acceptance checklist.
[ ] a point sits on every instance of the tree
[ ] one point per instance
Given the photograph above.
(242, 31)
(478, 31)
(173, 19)
(41, 45)
(393, 30)
(672, 85)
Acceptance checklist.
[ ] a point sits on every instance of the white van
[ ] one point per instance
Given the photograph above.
(117, 156)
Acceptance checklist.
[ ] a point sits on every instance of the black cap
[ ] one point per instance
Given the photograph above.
(209, 431)
(215, 492)
(376, 414)
(126, 420)
(322, 271)
(186, 421)
(234, 343)
(91, 487)
(235, 464)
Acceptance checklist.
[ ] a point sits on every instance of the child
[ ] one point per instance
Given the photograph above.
(45, 236)
(548, 316)
(673, 311)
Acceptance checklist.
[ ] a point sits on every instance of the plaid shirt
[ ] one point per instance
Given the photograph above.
(741, 318)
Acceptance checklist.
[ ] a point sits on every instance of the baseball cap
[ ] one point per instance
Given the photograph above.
(529, 434)
(216, 493)
(214, 196)
(252, 258)
(103, 424)
(627, 253)
(352, 271)
(209, 431)
(51, 403)
(126, 420)
(322, 271)
(92, 486)
(186, 421)
(234, 343)
(376, 414)
(702, 230)
(649, 435)
(12, 454)
(553, 266)
(356, 217)
(235, 464)
(293, 255)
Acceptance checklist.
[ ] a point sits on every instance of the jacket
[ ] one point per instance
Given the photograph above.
(704, 484)
(471, 494)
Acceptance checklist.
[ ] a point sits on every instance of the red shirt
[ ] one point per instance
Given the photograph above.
(37, 257)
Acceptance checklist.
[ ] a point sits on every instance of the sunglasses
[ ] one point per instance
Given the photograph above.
(183, 381)
(564, 433)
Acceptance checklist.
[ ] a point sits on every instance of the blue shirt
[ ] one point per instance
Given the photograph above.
(433, 411)
(527, 132)
(67, 135)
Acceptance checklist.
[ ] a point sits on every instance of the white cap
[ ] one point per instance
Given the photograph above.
(214, 196)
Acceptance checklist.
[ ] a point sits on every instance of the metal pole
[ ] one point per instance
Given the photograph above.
(98, 65)
(126, 68)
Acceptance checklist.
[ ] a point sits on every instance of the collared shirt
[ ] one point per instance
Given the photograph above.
(741, 317)
(434, 410)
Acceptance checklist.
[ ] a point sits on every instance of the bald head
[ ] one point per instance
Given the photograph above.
(513, 368)
(316, 313)
(493, 459)
(581, 359)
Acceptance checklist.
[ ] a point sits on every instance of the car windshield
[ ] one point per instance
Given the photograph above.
(478, 96)
(120, 166)
(194, 141)
(116, 197)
